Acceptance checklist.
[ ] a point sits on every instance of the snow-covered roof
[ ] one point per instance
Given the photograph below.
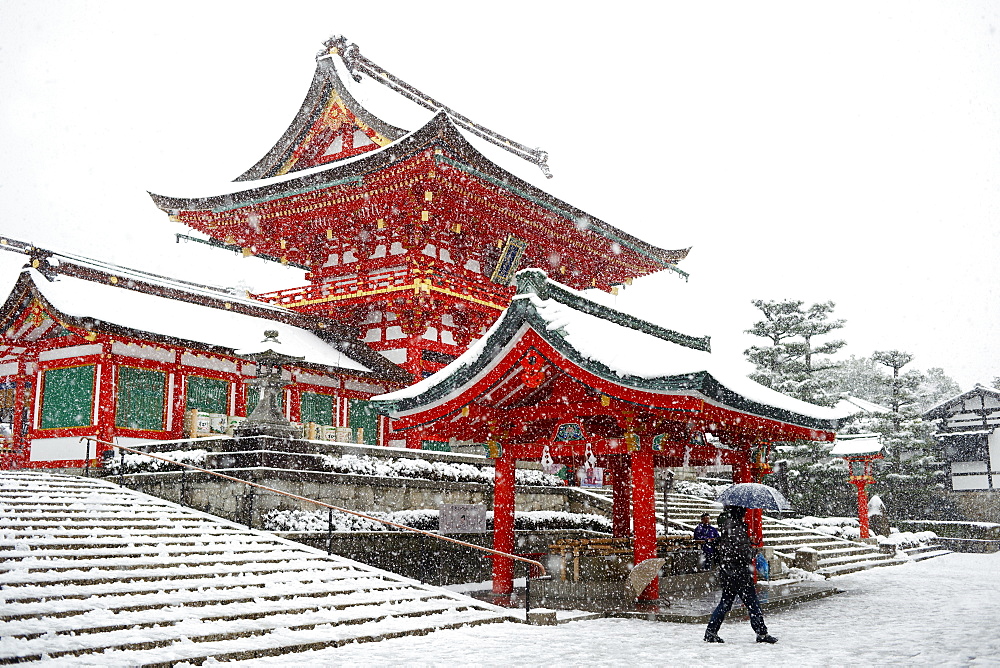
(77, 298)
(856, 446)
(971, 432)
(619, 347)
(941, 409)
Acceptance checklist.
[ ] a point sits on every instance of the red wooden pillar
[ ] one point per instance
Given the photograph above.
(414, 440)
(240, 396)
(503, 523)
(862, 506)
(741, 468)
(754, 518)
(20, 427)
(106, 408)
(294, 409)
(644, 516)
(621, 492)
(31, 407)
(179, 401)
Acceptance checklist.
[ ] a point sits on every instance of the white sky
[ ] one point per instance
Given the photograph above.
(826, 150)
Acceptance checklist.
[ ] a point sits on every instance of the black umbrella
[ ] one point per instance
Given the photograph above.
(754, 495)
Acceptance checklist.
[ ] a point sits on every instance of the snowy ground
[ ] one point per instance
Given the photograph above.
(943, 611)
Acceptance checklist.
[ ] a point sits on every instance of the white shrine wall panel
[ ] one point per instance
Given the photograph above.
(55, 449)
(966, 482)
(994, 448)
(71, 351)
(968, 467)
(143, 352)
(213, 363)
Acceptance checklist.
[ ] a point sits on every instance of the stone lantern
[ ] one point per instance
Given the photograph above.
(268, 418)
(859, 452)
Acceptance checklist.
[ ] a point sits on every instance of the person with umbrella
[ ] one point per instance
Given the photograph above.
(735, 556)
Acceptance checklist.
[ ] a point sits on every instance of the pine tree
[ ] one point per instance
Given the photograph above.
(792, 363)
(902, 401)
(911, 479)
(817, 483)
(936, 387)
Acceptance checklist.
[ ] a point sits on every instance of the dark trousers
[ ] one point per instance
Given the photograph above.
(733, 585)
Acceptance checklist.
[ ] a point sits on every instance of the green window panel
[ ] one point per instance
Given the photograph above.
(363, 416)
(68, 397)
(141, 395)
(207, 394)
(253, 396)
(317, 408)
(439, 446)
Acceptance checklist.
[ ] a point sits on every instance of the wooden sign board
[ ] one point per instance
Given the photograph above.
(462, 518)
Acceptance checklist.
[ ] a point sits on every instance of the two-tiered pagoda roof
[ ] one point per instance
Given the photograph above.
(316, 183)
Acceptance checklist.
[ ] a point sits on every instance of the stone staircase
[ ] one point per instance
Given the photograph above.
(837, 556)
(96, 574)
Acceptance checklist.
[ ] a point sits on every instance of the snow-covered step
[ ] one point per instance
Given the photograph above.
(855, 550)
(296, 597)
(108, 543)
(191, 592)
(96, 620)
(859, 565)
(197, 587)
(925, 552)
(170, 652)
(173, 570)
(847, 559)
(135, 551)
(136, 562)
(239, 622)
(810, 539)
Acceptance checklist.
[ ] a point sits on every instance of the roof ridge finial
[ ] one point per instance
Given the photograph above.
(349, 52)
(358, 64)
(532, 281)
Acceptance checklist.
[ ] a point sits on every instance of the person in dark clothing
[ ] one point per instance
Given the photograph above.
(706, 532)
(735, 555)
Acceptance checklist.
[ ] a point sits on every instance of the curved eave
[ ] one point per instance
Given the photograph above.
(523, 311)
(325, 84)
(439, 132)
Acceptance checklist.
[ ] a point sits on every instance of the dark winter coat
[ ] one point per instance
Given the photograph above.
(735, 550)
